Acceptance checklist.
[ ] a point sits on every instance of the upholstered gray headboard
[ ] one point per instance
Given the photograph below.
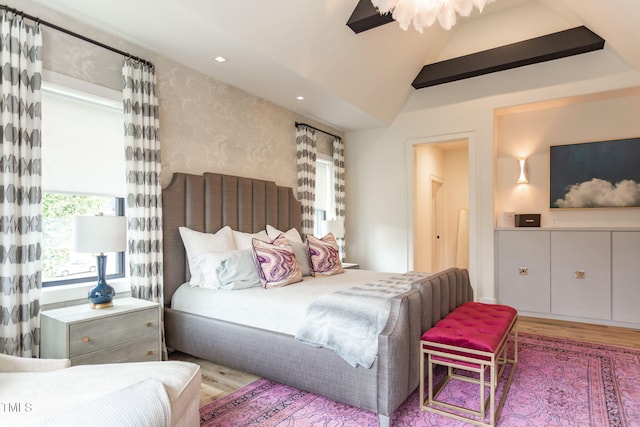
(210, 201)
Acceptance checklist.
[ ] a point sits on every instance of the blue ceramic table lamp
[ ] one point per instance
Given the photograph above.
(99, 234)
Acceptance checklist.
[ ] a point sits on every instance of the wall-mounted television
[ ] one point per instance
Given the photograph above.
(604, 174)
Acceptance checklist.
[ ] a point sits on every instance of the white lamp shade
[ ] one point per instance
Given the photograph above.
(335, 227)
(99, 234)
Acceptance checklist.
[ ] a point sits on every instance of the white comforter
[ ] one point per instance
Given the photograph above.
(280, 310)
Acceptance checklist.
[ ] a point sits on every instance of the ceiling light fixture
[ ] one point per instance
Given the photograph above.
(300, 98)
(220, 59)
(424, 13)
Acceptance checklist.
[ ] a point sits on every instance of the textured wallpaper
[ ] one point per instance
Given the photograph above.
(205, 124)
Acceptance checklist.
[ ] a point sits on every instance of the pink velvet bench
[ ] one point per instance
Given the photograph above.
(474, 338)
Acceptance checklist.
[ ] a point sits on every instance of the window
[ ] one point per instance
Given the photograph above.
(82, 173)
(324, 203)
(60, 264)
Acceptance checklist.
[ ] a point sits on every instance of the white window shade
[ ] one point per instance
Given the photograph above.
(82, 143)
(322, 186)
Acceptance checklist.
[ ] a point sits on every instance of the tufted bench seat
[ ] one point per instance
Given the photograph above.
(474, 338)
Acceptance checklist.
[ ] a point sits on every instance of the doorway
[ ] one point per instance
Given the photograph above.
(440, 205)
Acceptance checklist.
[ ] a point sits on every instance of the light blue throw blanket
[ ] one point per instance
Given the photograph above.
(349, 322)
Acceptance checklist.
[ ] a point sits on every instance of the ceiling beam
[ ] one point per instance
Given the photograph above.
(365, 17)
(545, 48)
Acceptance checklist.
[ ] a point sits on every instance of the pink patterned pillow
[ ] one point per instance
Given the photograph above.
(276, 262)
(324, 255)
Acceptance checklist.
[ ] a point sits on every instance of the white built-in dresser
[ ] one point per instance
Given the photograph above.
(584, 274)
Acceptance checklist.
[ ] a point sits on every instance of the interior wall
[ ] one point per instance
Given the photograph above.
(529, 131)
(380, 240)
(205, 124)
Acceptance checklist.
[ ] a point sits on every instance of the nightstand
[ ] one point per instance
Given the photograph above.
(127, 332)
(350, 265)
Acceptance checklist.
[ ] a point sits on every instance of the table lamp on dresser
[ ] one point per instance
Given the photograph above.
(99, 234)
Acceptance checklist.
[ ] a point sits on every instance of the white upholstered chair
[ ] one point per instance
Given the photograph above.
(48, 392)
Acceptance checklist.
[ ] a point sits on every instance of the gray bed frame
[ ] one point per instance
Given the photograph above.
(207, 203)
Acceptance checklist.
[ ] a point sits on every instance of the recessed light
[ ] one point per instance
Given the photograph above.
(220, 59)
(300, 98)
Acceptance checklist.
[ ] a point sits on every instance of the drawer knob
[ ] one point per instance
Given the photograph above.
(149, 324)
(523, 271)
(150, 353)
(580, 274)
(85, 339)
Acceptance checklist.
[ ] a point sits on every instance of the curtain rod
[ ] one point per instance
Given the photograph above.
(319, 130)
(76, 35)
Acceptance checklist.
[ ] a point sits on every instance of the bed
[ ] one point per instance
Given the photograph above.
(209, 202)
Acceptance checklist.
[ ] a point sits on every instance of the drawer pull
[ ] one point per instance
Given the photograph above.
(85, 339)
(150, 353)
(523, 271)
(580, 274)
(149, 324)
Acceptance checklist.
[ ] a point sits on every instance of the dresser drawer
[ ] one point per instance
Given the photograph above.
(98, 334)
(145, 350)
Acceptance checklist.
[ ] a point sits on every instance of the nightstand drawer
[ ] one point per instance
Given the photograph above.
(144, 350)
(98, 334)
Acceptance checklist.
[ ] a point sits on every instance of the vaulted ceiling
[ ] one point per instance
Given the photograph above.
(281, 49)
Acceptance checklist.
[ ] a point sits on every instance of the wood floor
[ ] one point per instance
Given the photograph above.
(218, 381)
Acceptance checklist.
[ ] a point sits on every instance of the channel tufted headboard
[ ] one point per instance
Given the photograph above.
(210, 201)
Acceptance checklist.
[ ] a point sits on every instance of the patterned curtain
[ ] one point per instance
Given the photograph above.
(338, 176)
(144, 191)
(306, 149)
(339, 184)
(20, 187)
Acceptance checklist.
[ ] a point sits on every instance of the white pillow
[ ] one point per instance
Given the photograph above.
(207, 265)
(301, 252)
(293, 235)
(243, 240)
(197, 243)
(238, 271)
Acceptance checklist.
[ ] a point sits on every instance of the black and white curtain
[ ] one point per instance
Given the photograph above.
(144, 190)
(339, 176)
(339, 184)
(306, 150)
(20, 187)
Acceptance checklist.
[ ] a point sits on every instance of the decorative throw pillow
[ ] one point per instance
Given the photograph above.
(293, 234)
(197, 243)
(276, 262)
(243, 240)
(238, 271)
(324, 255)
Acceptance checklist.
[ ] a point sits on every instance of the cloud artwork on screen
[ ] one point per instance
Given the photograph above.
(599, 193)
(603, 174)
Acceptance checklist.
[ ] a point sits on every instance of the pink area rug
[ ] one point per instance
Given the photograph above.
(558, 382)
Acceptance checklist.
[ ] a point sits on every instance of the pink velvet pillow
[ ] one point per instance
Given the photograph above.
(324, 255)
(276, 262)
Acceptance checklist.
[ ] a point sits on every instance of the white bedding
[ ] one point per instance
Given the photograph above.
(279, 309)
